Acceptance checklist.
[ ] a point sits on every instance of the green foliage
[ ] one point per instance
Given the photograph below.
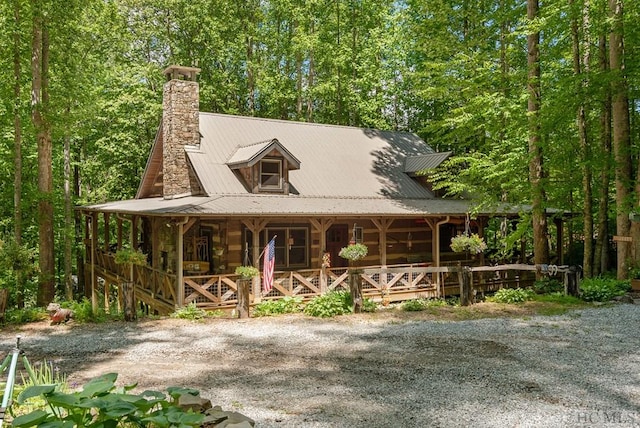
(512, 295)
(602, 289)
(414, 305)
(548, 286)
(83, 311)
(25, 315)
(369, 306)
(286, 305)
(247, 272)
(329, 304)
(354, 252)
(559, 298)
(472, 243)
(190, 312)
(127, 256)
(101, 404)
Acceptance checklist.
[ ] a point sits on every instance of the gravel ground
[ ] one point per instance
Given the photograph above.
(580, 369)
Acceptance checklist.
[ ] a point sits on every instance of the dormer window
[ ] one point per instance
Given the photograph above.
(271, 174)
(264, 167)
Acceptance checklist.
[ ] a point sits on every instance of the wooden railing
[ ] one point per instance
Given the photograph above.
(389, 283)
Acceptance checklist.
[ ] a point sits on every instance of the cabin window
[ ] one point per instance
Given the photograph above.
(271, 174)
(292, 246)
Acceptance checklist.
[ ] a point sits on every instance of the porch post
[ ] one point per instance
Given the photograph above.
(119, 243)
(180, 262)
(559, 237)
(107, 231)
(383, 226)
(256, 226)
(322, 226)
(94, 233)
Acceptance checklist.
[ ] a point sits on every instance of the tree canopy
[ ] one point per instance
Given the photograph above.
(462, 74)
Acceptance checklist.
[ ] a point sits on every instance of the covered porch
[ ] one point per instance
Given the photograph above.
(192, 259)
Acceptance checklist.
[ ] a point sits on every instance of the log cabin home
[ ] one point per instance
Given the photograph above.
(218, 187)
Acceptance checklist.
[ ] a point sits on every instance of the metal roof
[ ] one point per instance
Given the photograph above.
(336, 161)
(250, 155)
(414, 164)
(291, 205)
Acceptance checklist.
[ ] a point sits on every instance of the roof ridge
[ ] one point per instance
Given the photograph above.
(299, 122)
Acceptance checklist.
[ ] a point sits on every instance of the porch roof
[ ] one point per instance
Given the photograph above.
(288, 205)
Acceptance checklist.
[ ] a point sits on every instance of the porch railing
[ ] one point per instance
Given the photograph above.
(389, 283)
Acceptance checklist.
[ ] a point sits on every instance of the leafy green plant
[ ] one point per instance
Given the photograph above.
(369, 306)
(602, 289)
(25, 315)
(422, 304)
(354, 252)
(472, 243)
(512, 295)
(547, 286)
(247, 272)
(286, 305)
(127, 256)
(83, 311)
(329, 304)
(100, 404)
(190, 312)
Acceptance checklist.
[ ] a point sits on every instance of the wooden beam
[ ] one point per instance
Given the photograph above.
(383, 226)
(107, 231)
(190, 222)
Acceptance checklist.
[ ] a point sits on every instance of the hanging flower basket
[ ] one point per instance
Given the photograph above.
(354, 252)
(127, 256)
(472, 244)
(247, 272)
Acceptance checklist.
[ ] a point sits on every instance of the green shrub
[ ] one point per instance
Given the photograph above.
(414, 305)
(602, 289)
(83, 311)
(286, 305)
(25, 315)
(369, 305)
(329, 304)
(190, 312)
(512, 295)
(548, 286)
(100, 404)
(422, 304)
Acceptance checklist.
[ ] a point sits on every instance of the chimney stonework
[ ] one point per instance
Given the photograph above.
(180, 128)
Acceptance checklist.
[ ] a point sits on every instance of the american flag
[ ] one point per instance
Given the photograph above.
(269, 264)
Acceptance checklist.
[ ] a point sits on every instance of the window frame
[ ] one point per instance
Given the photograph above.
(269, 175)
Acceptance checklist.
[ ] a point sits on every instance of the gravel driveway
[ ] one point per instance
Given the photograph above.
(575, 370)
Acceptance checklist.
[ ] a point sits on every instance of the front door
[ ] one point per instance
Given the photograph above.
(337, 238)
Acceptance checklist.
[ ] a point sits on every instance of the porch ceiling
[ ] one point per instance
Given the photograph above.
(287, 205)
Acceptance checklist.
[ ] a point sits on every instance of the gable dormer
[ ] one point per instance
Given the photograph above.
(417, 167)
(264, 166)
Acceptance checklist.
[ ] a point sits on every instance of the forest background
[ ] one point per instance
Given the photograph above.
(538, 102)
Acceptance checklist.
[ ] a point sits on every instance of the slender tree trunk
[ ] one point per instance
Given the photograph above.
(311, 75)
(17, 144)
(536, 168)
(581, 120)
(602, 242)
(68, 214)
(621, 136)
(39, 101)
(79, 226)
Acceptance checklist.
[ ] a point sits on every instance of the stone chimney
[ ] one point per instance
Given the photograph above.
(180, 128)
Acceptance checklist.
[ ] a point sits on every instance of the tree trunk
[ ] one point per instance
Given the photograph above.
(621, 136)
(355, 289)
(17, 144)
(68, 215)
(39, 100)
(581, 120)
(602, 241)
(536, 169)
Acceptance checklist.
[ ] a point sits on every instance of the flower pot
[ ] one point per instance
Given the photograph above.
(635, 284)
